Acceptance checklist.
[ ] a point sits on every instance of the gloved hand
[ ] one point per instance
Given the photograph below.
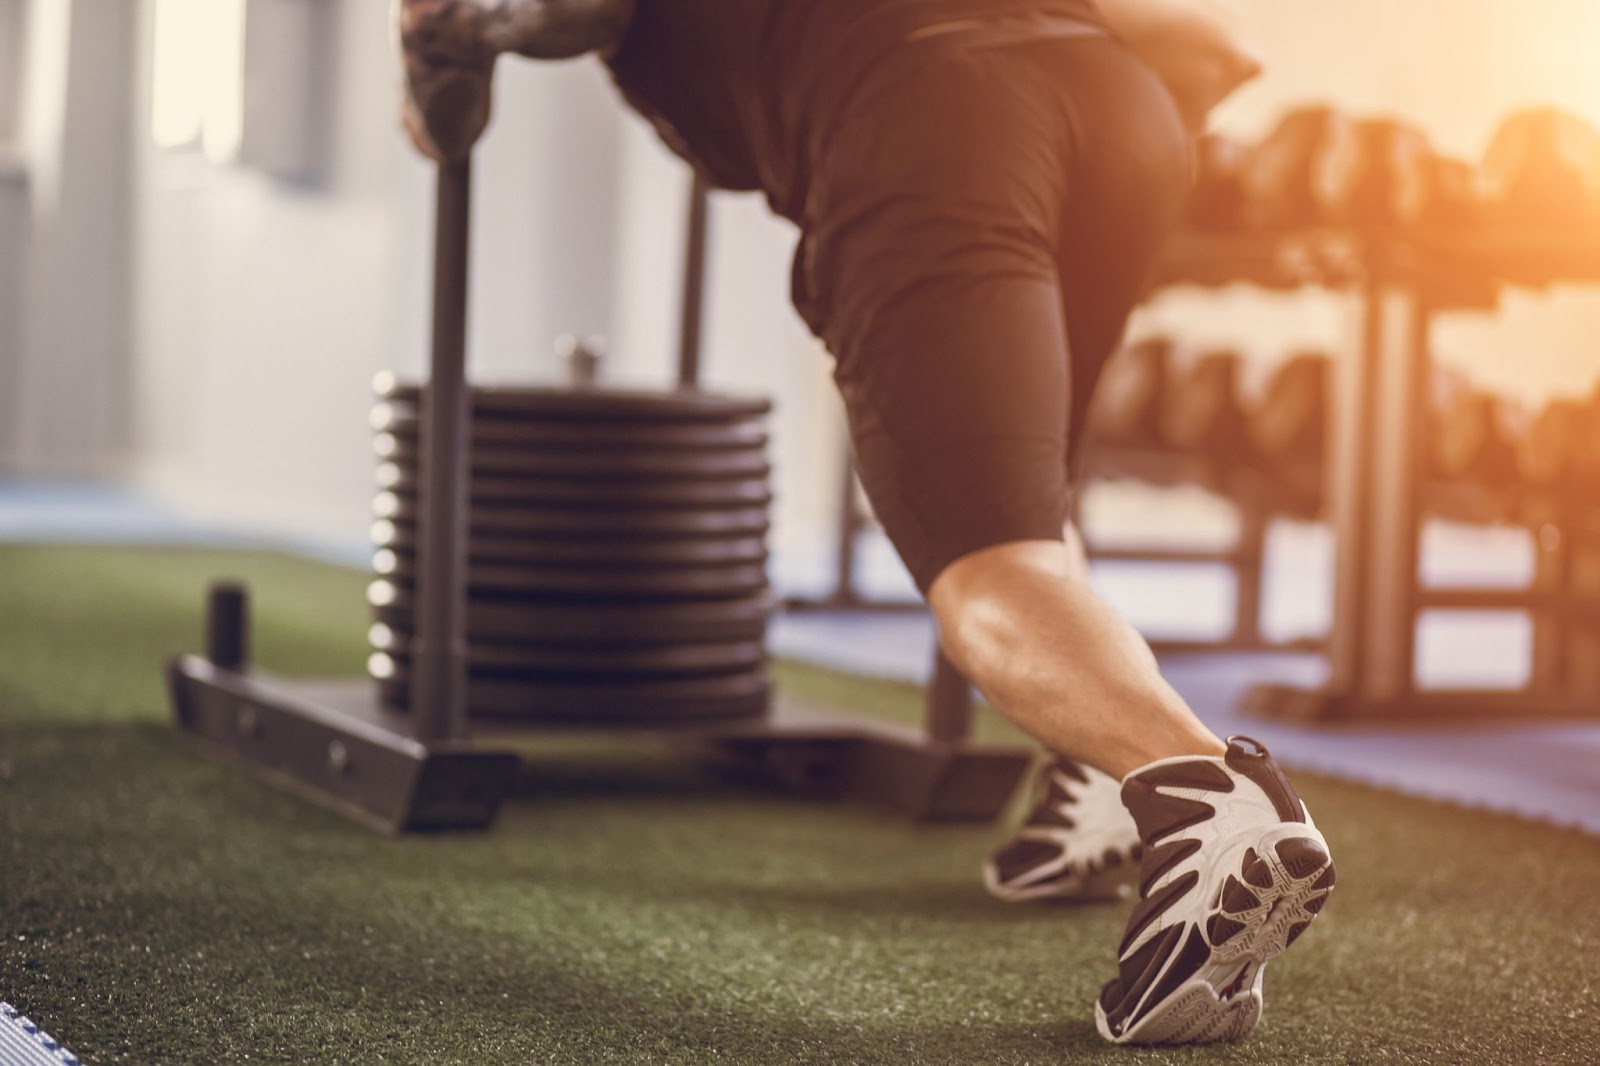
(449, 49)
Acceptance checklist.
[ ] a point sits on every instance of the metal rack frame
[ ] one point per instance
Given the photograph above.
(1377, 479)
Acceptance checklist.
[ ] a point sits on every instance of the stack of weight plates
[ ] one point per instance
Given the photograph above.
(616, 554)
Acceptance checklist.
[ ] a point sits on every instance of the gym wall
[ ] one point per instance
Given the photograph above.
(266, 307)
(12, 27)
(13, 220)
(66, 200)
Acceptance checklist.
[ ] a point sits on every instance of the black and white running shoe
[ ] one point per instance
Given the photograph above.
(1234, 871)
(1076, 843)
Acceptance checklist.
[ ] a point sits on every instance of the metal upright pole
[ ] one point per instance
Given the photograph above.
(438, 695)
(694, 279)
(849, 528)
(948, 711)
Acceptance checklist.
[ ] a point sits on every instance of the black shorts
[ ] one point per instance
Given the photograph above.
(978, 224)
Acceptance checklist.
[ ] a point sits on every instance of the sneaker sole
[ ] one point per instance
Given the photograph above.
(1263, 905)
(1109, 885)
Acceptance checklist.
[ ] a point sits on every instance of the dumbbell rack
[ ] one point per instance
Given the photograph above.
(421, 769)
(1378, 487)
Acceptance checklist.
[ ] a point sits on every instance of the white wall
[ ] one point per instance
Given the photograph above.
(265, 309)
(13, 261)
(12, 29)
(13, 225)
(755, 342)
(70, 358)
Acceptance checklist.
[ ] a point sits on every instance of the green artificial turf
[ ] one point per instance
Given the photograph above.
(159, 906)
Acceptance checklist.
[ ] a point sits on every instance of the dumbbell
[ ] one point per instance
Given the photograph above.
(1216, 201)
(1312, 148)
(1200, 409)
(1561, 449)
(1383, 175)
(1472, 440)
(1127, 401)
(1289, 421)
(1542, 168)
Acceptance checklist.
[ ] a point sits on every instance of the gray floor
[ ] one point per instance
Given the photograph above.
(1545, 771)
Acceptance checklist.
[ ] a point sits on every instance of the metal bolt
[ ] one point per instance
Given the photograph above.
(249, 722)
(582, 358)
(338, 757)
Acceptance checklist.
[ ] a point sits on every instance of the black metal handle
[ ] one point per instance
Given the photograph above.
(438, 695)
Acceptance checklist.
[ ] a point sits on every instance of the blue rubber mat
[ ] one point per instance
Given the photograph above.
(1549, 772)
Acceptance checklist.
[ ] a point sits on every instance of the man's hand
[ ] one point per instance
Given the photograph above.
(450, 46)
(449, 71)
(1191, 45)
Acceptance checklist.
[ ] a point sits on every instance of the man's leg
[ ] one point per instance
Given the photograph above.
(1026, 628)
(935, 262)
(1234, 871)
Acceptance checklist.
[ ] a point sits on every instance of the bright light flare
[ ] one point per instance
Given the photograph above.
(197, 90)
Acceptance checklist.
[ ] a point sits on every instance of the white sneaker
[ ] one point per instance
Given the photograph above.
(1077, 843)
(1234, 871)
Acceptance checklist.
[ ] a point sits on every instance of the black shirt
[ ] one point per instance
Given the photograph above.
(745, 89)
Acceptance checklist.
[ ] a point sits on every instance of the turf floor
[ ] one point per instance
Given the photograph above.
(157, 906)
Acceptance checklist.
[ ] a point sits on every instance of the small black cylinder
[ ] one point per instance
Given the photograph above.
(949, 703)
(694, 276)
(228, 625)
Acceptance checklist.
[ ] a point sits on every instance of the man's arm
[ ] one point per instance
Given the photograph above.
(1193, 45)
(449, 48)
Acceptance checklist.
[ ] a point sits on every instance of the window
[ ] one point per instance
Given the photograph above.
(197, 90)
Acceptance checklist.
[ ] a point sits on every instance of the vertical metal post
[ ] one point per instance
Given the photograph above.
(228, 626)
(694, 278)
(1401, 423)
(438, 661)
(1249, 562)
(1552, 630)
(1583, 588)
(849, 529)
(949, 707)
(1349, 479)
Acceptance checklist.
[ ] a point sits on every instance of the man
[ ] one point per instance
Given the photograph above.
(981, 187)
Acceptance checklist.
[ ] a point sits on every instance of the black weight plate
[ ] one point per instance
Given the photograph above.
(751, 462)
(542, 662)
(571, 583)
(607, 525)
(617, 495)
(597, 552)
(743, 695)
(591, 625)
(401, 422)
(681, 405)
